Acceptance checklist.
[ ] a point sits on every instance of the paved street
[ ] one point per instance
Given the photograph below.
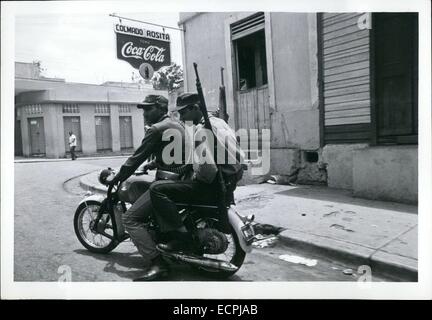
(46, 195)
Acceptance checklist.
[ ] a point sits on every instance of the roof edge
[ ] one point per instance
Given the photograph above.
(189, 17)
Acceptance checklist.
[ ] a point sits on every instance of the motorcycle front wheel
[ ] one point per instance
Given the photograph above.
(93, 241)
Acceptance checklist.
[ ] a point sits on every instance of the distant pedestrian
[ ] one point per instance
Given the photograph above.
(72, 144)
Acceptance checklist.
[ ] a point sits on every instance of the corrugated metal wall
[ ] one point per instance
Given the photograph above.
(345, 75)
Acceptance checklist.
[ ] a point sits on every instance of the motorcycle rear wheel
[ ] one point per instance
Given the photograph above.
(236, 258)
(92, 241)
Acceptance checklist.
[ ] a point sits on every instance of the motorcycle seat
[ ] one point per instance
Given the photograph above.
(196, 206)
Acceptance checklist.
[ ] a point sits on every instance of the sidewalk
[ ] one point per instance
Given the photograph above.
(382, 235)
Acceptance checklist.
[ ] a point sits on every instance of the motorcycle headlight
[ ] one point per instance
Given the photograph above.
(103, 175)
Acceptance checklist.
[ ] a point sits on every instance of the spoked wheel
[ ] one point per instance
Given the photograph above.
(233, 254)
(91, 239)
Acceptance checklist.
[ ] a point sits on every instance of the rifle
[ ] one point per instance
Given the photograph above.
(222, 188)
(222, 99)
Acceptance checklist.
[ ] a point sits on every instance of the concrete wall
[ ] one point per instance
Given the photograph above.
(88, 129)
(52, 133)
(339, 161)
(26, 70)
(115, 127)
(292, 66)
(54, 128)
(25, 131)
(386, 173)
(137, 127)
(284, 161)
(295, 120)
(85, 93)
(85, 96)
(205, 44)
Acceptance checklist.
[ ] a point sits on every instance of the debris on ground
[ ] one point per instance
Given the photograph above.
(266, 229)
(264, 242)
(348, 272)
(340, 227)
(299, 260)
(282, 179)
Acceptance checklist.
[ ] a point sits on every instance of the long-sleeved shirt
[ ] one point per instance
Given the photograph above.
(151, 145)
(230, 162)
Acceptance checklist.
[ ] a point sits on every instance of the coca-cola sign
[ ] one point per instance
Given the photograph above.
(140, 46)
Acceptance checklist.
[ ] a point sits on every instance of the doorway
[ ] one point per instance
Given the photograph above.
(396, 77)
(103, 133)
(37, 136)
(72, 124)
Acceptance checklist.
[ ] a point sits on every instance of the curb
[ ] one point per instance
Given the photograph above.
(390, 265)
(362, 256)
(86, 185)
(68, 159)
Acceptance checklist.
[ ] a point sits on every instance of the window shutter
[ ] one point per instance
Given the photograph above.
(345, 70)
(345, 78)
(247, 26)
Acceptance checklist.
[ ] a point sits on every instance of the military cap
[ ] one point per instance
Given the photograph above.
(153, 99)
(186, 99)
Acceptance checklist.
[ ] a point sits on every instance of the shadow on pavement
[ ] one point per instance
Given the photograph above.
(132, 260)
(344, 196)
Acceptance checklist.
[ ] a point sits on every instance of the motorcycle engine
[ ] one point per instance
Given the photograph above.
(212, 241)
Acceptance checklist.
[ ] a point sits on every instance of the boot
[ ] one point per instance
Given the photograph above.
(158, 270)
(182, 242)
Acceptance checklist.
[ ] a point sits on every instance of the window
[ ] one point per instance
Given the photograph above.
(71, 108)
(102, 109)
(251, 60)
(124, 108)
(33, 109)
(249, 42)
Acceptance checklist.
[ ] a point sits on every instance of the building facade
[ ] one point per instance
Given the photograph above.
(104, 117)
(338, 92)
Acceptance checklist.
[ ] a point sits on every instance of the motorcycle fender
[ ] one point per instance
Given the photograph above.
(93, 197)
(237, 224)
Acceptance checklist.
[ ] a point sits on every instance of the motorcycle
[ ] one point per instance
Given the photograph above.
(98, 226)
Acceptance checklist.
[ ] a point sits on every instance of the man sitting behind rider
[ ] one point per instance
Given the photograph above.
(155, 108)
(202, 186)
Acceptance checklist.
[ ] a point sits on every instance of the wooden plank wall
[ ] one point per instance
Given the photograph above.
(346, 78)
(254, 108)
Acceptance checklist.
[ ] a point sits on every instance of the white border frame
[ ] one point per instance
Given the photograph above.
(209, 290)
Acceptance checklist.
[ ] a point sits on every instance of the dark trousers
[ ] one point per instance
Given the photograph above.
(72, 151)
(134, 223)
(165, 193)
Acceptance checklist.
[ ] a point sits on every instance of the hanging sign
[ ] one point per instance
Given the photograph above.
(145, 50)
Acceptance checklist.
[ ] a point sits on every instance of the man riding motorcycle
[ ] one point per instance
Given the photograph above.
(202, 186)
(155, 108)
(197, 186)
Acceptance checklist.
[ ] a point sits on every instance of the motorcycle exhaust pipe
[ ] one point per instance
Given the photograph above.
(202, 262)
